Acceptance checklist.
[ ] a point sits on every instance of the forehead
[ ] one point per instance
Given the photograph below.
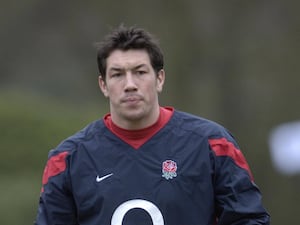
(128, 58)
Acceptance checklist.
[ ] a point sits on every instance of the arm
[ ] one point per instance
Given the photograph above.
(56, 205)
(238, 199)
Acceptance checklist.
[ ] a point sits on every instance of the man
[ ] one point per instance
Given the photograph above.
(143, 163)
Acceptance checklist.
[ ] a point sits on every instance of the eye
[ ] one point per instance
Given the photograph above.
(141, 72)
(116, 75)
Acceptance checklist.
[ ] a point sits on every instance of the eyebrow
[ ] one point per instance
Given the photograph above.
(114, 68)
(139, 66)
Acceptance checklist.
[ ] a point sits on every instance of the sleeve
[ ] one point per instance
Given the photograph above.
(56, 204)
(238, 199)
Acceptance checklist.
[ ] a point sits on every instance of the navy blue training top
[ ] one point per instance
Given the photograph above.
(191, 172)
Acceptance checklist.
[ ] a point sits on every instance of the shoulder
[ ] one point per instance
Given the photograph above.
(70, 144)
(200, 126)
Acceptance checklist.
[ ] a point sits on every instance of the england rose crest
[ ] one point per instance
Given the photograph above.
(169, 168)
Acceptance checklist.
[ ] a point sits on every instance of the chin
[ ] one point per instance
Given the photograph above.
(134, 114)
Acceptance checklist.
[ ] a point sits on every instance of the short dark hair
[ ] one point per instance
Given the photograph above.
(124, 38)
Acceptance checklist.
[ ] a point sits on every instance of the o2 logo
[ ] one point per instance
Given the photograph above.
(149, 207)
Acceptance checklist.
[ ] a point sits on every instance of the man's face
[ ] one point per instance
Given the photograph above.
(132, 87)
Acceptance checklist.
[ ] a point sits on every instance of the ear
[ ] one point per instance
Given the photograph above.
(102, 85)
(160, 80)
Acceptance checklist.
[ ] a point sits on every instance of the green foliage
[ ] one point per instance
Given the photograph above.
(29, 129)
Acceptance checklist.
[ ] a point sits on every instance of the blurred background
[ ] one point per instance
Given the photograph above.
(234, 62)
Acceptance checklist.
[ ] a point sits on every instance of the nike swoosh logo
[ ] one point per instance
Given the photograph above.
(99, 179)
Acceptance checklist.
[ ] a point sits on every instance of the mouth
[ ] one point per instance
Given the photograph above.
(131, 100)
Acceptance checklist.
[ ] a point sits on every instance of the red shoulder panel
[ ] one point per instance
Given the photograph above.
(222, 147)
(55, 165)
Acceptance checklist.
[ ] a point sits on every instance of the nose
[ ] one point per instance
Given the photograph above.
(130, 83)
